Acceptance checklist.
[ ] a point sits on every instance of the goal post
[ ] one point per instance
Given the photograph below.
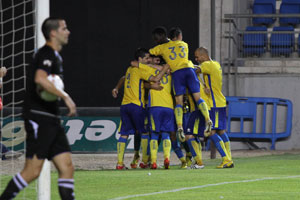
(44, 180)
(20, 37)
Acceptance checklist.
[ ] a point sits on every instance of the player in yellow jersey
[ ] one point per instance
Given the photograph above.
(175, 53)
(132, 108)
(161, 118)
(212, 73)
(194, 129)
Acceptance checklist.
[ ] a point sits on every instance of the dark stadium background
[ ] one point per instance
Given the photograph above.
(104, 36)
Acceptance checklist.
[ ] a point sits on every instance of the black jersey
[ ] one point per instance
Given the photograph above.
(50, 61)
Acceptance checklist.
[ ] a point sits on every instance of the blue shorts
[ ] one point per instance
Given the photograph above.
(162, 119)
(218, 117)
(196, 124)
(185, 78)
(132, 119)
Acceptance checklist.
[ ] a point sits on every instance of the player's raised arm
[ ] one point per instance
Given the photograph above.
(115, 91)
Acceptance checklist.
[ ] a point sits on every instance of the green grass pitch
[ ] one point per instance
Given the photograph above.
(265, 177)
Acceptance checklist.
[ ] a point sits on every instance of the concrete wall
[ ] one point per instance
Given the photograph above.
(278, 78)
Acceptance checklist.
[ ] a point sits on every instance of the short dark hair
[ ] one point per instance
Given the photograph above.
(140, 52)
(159, 34)
(162, 60)
(50, 24)
(174, 32)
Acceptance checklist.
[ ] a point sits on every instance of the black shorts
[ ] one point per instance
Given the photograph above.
(45, 138)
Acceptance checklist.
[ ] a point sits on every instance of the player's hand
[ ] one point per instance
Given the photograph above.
(71, 105)
(167, 66)
(156, 86)
(168, 71)
(115, 92)
(3, 71)
(207, 90)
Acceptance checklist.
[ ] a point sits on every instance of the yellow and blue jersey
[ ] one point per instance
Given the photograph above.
(175, 53)
(134, 86)
(212, 73)
(161, 98)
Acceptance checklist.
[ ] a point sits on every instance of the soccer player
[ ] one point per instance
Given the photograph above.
(161, 117)
(46, 138)
(175, 53)
(212, 72)
(137, 135)
(132, 108)
(193, 131)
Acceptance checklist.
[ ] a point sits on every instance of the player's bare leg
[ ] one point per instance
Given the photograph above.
(31, 171)
(32, 168)
(63, 163)
(179, 117)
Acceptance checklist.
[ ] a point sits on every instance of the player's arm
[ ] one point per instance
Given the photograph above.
(159, 76)
(3, 72)
(154, 85)
(115, 91)
(41, 78)
(157, 50)
(197, 69)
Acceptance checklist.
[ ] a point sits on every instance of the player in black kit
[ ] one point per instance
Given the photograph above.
(45, 135)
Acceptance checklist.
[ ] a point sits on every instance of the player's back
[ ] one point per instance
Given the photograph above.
(162, 98)
(212, 72)
(175, 53)
(133, 87)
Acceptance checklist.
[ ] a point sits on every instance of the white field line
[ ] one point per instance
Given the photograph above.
(204, 186)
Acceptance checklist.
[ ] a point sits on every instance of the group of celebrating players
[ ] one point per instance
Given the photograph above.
(154, 80)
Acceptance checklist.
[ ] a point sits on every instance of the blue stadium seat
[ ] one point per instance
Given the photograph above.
(290, 7)
(255, 43)
(282, 44)
(264, 7)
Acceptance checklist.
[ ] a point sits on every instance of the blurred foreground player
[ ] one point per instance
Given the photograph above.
(45, 135)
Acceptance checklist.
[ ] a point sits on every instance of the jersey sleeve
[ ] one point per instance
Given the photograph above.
(205, 69)
(146, 72)
(45, 61)
(157, 50)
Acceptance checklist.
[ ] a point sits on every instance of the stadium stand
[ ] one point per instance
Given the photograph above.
(290, 7)
(264, 7)
(255, 44)
(282, 43)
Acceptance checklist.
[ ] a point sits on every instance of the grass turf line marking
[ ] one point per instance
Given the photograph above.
(203, 186)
